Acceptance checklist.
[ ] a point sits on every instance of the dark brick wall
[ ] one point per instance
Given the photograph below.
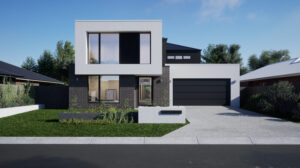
(128, 90)
(78, 90)
(295, 80)
(161, 88)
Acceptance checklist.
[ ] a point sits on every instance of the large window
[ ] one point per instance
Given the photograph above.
(145, 48)
(93, 48)
(93, 88)
(145, 91)
(109, 88)
(109, 48)
(119, 48)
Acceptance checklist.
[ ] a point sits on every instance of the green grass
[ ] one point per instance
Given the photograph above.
(45, 123)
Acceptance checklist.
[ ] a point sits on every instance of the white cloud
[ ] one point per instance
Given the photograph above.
(215, 9)
(251, 16)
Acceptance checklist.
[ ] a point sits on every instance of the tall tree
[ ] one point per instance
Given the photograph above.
(46, 64)
(30, 64)
(223, 54)
(64, 57)
(266, 58)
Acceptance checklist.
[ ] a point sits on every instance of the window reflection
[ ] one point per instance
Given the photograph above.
(145, 48)
(145, 91)
(93, 88)
(109, 48)
(109, 88)
(93, 48)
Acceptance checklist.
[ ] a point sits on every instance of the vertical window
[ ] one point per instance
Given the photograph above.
(145, 91)
(93, 88)
(93, 49)
(109, 88)
(145, 48)
(109, 48)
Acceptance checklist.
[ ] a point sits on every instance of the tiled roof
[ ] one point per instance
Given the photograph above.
(17, 72)
(281, 69)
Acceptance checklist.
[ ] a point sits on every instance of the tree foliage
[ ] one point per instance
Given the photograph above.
(65, 55)
(30, 64)
(53, 65)
(223, 54)
(46, 64)
(266, 58)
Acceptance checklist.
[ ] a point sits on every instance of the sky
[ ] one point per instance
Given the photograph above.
(27, 27)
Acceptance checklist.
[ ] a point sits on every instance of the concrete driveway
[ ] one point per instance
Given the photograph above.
(219, 121)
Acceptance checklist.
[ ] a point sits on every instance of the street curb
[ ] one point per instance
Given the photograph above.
(154, 140)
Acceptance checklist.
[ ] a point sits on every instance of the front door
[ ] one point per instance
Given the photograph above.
(145, 91)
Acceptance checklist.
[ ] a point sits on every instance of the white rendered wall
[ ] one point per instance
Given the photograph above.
(82, 28)
(149, 114)
(5, 112)
(209, 71)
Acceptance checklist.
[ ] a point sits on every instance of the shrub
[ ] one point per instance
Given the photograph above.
(11, 95)
(279, 99)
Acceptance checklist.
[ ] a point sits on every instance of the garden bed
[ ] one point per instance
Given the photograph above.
(46, 123)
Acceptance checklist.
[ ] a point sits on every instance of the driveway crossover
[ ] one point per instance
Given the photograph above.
(219, 121)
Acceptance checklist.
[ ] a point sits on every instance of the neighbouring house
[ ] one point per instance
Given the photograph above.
(128, 62)
(21, 76)
(282, 71)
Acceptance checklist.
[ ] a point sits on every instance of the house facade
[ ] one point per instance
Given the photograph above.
(129, 63)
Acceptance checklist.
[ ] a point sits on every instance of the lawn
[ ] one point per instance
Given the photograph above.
(45, 123)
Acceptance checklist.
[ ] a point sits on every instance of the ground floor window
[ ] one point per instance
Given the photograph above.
(109, 88)
(145, 91)
(93, 83)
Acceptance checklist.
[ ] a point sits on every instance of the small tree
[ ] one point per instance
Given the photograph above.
(30, 64)
(46, 64)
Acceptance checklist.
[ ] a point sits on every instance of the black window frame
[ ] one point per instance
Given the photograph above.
(99, 46)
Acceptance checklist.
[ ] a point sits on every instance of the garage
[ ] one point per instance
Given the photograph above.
(201, 92)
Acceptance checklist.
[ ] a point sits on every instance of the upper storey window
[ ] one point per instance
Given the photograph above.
(119, 48)
(109, 48)
(93, 48)
(145, 48)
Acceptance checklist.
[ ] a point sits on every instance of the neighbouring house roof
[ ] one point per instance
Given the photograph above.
(24, 74)
(281, 69)
(176, 47)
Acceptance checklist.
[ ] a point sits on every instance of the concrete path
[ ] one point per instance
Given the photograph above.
(219, 121)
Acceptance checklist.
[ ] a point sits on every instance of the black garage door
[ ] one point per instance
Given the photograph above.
(201, 92)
